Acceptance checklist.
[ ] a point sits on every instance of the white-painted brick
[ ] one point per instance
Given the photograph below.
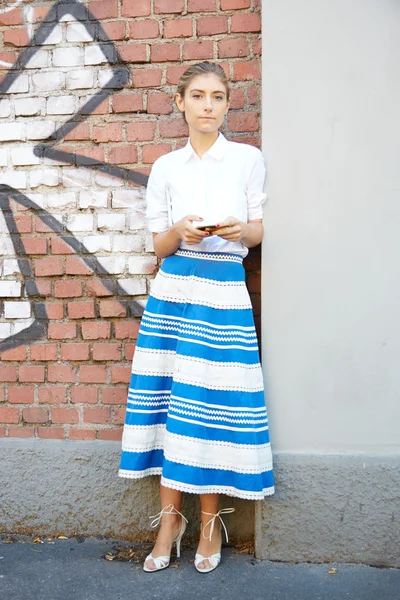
(14, 178)
(67, 17)
(28, 106)
(133, 286)
(19, 85)
(127, 243)
(5, 108)
(93, 199)
(10, 132)
(104, 76)
(68, 57)
(137, 220)
(63, 200)
(148, 242)
(18, 326)
(17, 310)
(125, 198)
(97, 243)
(49, 81)
(61, 105)
(107, 181)
(47, 177)
(80, 222)
(94, 55)
(38, 199)
(6, 246)
(145, 265)
(112, 264)
(10, 289)
(54, 37)
(40, 130)
(39, 60)
(77, 32)
(11, 267)
(3, 158)
(23, 155)
(80, 79)
(76, 177)
(111, 221)
(5, 330)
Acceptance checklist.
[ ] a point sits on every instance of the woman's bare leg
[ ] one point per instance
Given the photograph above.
(169, 526)
(210, 504)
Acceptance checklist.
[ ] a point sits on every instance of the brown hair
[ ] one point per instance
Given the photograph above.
(203, 68)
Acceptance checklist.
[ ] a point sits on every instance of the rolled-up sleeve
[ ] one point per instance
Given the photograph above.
(255, 188)
(156, 200)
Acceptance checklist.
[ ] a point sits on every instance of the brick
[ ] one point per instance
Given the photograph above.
(106, 352)
(43, 352)
(212, 25)
(75, 352)
(113, 30)
(80, 79)
(199, 49)
(257, 46)
(233, 47)
(17, 310)
(84, 395)
(126, 330)
(101, 109)
(133, 52)
(35, 414)
(61, 374)
(165, 52)
(64, 415)
(175, 73)
(246, 71)
(123, 155)
(235, 4)
(77, 266)
(129, 351)
(21, 432)
(81, 310)
(51, 433)
(120, 374)
(11, 132)
(34, 245)
(97, 415)
(22, 224)
(61, 58)
(147, 29)
(236, 99)
(168, 6)
(89, 156)
(14, 354)
(52, 395)
(55, 310)
(173, 128)
(159, 104)
(103, 9)
(80, 132)
(253, 94)
(128, 102)
(202, 5)
(62, 331)
(136, 8)
(140, 132)
(67, 289)
(21, 395)
(96, 288)
(2, 432)
(10, 289)
(48, 267)
(247, 23)
(76, 433)
(48, 82)
(41, 14)
(92, 374)
(146, 77)
(176, 28)
(11, 17)
(151, 153)
(60, 246)
(33, 374)
(118, 415)
(16, 37)
(9, 414)
(114, 395)
(243, 121)
(111, 222)
(2, 395)
(142, 264)
(112, 308)
(112, 132)
(28, 106)
(112, 435)
(92, 198)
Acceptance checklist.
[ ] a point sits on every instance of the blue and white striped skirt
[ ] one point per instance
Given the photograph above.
(196, 412)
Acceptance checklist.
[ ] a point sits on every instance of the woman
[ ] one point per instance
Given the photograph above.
(196, 412)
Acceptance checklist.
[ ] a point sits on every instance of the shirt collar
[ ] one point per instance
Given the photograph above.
(216, 151)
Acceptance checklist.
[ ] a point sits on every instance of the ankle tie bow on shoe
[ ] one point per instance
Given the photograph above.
(167, 510)
(211, 522)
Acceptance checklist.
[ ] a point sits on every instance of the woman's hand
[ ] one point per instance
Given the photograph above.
(230, 229)
(187, 233)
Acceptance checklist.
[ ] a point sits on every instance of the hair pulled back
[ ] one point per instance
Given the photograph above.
(203, 68)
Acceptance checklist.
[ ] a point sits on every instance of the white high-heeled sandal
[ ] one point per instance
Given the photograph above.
(162, 562)
(214, 559)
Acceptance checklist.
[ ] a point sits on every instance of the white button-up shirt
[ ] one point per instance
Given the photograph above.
(227, 181)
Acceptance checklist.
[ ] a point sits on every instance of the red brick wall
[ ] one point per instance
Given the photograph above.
(71, 288)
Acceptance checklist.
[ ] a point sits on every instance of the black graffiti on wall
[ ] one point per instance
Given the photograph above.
(47, 149)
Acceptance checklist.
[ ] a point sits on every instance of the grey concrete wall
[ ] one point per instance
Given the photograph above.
(332, 508)
(50, 487)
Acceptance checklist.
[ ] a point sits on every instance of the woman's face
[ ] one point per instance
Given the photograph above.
(205, 103)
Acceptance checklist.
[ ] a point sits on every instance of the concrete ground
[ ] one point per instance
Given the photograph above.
(76, 569)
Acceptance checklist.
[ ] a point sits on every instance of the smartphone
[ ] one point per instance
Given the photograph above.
(209, 228)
